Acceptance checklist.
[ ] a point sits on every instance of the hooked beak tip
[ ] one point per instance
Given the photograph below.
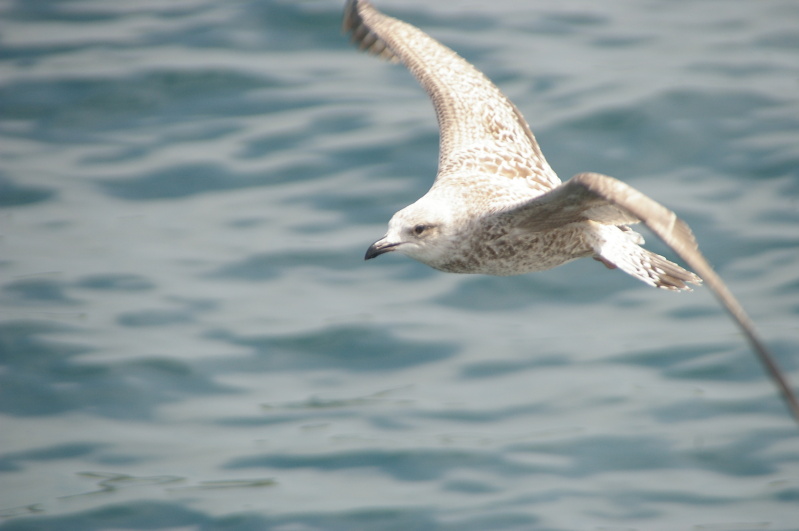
(379, 247)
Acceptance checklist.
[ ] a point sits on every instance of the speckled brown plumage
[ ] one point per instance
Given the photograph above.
(496, 207)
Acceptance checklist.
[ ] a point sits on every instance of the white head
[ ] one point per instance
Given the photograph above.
(423, 231)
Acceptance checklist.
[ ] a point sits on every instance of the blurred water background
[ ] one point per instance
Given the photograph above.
(189, 338)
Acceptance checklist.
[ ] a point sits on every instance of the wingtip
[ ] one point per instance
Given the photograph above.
(353, 15)
(359, 16)
(348, 21)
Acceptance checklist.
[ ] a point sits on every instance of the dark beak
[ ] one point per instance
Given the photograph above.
(379, 247)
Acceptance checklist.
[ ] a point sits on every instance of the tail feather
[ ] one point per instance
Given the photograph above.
(621, 249)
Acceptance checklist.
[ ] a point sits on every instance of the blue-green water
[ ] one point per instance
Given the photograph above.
(189, 338)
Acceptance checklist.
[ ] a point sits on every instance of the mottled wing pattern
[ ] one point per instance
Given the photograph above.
(482, 132)
(608, 200)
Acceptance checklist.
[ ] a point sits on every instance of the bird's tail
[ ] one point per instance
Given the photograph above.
(619, 247)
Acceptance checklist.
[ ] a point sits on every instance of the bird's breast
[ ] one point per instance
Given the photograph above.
(499, 251)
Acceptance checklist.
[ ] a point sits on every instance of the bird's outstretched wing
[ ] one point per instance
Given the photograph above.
(591, 196)
(480, 128)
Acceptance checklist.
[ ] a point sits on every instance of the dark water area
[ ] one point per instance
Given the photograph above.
(190, 338)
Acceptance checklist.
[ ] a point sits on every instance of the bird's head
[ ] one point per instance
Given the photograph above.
(423, 231)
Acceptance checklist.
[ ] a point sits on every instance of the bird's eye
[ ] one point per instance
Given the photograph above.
(419, 229)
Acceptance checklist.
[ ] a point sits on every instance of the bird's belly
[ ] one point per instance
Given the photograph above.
(521, 252)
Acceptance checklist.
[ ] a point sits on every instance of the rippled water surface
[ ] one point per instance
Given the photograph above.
(190, 339)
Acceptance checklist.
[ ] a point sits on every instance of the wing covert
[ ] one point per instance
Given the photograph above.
(476, 121)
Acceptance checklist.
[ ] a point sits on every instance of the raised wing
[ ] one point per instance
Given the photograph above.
(608, 200)
(480, 128)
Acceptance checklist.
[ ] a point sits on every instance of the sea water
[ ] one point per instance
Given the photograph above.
(190, 338)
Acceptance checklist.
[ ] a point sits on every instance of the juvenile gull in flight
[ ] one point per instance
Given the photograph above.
(497, 208)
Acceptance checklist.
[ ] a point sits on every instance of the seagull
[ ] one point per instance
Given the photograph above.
(497, 208)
